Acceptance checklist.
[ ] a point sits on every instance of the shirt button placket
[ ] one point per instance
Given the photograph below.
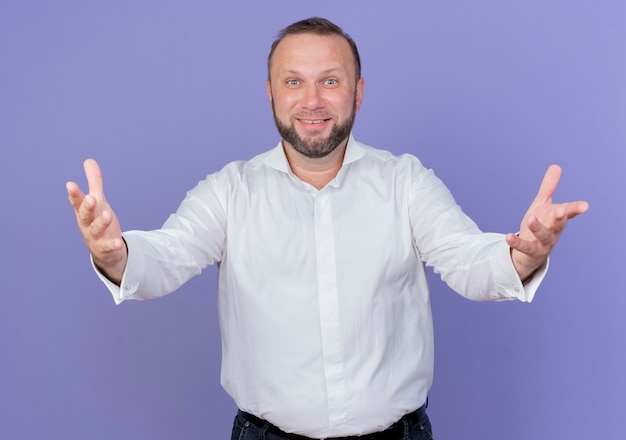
(332, 341)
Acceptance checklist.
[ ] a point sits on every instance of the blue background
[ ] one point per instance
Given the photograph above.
(161, 93)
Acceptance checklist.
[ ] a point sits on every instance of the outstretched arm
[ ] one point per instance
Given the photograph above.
(541, 226)
(98, 224)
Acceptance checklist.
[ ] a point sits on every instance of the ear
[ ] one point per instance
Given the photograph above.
(268, 88)
(360, 84)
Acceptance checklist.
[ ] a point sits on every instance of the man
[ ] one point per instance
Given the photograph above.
(321, 245)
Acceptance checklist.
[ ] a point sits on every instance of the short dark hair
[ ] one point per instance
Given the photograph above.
(318, 26)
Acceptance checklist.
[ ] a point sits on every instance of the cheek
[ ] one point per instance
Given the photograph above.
(284, 103)
(286, 100)
(343, 102)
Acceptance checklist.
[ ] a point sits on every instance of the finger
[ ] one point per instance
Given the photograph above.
(94, 177)
(87, 210)
(534, 250)
(100, 223)
(547, 234)
(111, 245)
(512, 240)
(524, 246)
(573, 209)
(536, 236)
(74, 194)
(548, 184)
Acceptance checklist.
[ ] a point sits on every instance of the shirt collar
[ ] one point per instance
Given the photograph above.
(277, 159)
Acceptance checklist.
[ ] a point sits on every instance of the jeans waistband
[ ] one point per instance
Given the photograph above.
(394, 432)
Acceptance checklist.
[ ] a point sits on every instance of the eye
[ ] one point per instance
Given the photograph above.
(330, 82)
(293, 82)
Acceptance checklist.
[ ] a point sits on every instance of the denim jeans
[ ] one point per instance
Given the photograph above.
(244, 430)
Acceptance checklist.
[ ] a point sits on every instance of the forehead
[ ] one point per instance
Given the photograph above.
(312, 52)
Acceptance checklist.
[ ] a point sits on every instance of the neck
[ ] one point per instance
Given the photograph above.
(315, 171)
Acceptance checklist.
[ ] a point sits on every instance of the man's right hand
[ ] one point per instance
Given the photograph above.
(98, 224)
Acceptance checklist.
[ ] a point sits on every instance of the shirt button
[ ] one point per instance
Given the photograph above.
(127, 287)
(517, 289)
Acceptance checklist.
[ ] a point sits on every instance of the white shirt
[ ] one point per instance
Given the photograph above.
(323, 299)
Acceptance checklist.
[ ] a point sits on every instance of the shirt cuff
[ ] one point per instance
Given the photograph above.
(508, 280)
(135, 267)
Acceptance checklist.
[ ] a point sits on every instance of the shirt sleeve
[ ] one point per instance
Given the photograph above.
(162, 260)
(475, 264)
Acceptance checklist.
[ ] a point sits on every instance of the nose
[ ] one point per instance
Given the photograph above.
(312, 97)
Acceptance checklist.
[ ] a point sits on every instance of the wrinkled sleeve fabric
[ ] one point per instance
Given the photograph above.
(475, 264)
(160, 261)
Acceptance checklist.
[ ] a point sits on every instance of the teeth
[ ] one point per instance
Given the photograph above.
(318, 121)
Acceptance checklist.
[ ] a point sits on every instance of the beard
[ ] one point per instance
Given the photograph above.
(317, 147)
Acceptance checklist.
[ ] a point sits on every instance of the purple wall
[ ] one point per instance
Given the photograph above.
(488, 93)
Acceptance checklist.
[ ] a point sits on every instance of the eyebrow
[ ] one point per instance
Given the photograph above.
(325, 72)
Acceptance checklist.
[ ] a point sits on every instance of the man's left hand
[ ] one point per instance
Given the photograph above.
(541, 226)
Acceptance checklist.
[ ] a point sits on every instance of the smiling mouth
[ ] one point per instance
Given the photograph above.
(313, 121)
